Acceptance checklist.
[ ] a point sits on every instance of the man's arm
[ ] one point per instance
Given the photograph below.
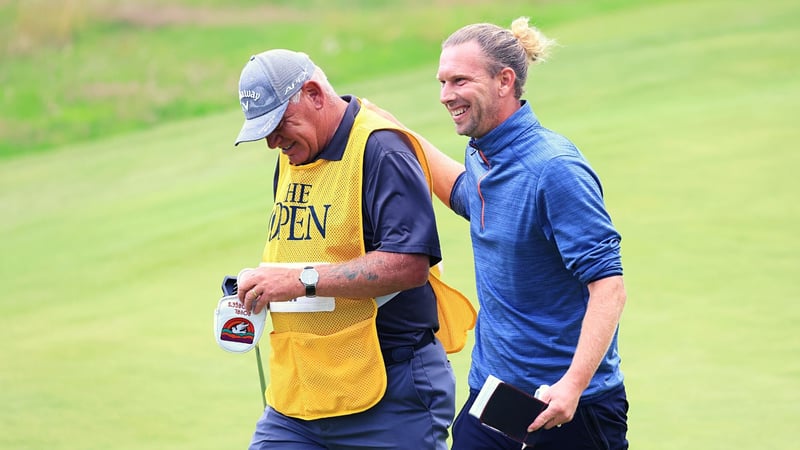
(444, 169)
(606, 300)
(371, 275)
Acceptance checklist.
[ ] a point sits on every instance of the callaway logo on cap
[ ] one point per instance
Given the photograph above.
(268, 82)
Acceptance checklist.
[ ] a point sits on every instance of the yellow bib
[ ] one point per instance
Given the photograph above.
(326, 364)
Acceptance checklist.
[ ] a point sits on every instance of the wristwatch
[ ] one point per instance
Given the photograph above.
(309, 277)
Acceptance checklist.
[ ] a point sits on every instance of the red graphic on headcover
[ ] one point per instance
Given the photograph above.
(239, 330)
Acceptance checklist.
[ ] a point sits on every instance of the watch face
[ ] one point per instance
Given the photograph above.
(309, 276)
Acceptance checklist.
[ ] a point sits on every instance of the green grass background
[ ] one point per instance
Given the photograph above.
(123, 203)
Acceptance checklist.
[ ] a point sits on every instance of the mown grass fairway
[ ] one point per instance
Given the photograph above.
(113, 250)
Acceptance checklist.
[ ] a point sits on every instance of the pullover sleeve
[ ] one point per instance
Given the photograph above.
(574, 216)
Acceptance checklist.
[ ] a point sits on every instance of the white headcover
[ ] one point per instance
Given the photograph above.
(236, 329)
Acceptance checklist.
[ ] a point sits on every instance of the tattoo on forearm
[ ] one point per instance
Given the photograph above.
(354, 273)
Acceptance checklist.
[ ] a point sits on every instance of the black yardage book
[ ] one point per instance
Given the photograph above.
(506, 409)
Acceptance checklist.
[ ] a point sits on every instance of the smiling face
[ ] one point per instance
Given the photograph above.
(468, 90)
(477, 100)
(297, 136)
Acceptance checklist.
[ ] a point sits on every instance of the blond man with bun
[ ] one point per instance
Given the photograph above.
(547, 256)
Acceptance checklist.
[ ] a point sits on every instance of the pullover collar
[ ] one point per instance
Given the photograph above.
(507, 132)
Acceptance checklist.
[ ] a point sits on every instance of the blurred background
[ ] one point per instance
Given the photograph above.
(124, 203)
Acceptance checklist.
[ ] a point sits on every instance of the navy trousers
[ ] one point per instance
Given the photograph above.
(415, 413)
(601, 424)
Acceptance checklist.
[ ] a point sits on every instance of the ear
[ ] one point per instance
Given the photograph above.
(506, 79)
(314, 92)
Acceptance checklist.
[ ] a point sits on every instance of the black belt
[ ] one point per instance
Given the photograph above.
(396, 355)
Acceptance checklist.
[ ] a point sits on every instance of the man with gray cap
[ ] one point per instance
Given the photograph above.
(352, 220)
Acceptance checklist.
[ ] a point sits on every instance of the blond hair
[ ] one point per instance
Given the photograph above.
(516, 48)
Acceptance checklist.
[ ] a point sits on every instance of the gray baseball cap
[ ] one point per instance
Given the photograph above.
(267, 83)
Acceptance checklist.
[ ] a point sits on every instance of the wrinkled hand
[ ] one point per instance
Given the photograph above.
(562, 399)
(258, 287)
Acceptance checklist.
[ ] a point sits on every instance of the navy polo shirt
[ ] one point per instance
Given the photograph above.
(398, 218)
